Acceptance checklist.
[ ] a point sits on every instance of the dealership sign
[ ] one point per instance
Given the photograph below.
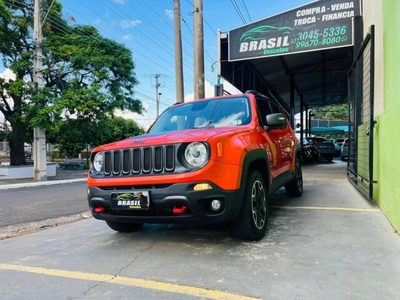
(320, 25)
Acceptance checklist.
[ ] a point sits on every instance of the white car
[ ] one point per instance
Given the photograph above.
(338, 145)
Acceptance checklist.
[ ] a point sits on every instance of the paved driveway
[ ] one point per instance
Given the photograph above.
(329, 244)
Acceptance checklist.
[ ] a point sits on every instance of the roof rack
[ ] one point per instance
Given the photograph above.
(255, 93)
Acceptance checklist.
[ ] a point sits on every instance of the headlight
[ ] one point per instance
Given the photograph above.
(98, 161)
(196, 154)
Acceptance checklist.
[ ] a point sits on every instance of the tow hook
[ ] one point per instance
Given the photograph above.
(179, 210)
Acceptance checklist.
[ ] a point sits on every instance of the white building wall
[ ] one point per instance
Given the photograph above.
(372, 15)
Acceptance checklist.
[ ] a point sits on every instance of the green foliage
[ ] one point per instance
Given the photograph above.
(85, 77)
(69, 137)
(72, 136)
(115, 129)
(332, 112)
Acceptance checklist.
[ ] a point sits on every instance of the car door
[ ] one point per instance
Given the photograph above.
(285, 137)
(273, 141)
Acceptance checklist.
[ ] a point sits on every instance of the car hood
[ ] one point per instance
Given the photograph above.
(173, 137)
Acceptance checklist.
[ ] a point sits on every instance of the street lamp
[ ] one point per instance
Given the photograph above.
(158, 103)
(218, 88)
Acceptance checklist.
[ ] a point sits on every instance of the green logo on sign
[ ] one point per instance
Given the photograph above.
(262, 32)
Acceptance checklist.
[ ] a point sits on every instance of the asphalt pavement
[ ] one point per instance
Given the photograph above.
(62, 176)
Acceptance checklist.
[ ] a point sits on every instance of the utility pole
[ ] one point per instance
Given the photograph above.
(39, 134)
(178, 52)
(157, 94)
(198, 50)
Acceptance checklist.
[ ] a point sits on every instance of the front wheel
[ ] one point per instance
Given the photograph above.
(124, 227)
(252, 221)
(295, 187)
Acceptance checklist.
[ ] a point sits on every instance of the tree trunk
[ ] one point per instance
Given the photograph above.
(17, 149)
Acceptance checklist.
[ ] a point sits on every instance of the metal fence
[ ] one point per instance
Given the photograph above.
(361, 122)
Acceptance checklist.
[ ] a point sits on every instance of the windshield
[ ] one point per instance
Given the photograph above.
(233, 111)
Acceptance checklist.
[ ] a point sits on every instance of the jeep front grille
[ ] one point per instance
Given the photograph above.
(137, 161)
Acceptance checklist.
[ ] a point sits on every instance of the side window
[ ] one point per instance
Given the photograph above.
(282, 110)
(266, 107)
(275, 108)
(263, 109)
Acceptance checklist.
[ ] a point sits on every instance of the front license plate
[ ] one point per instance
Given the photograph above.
(139, 200)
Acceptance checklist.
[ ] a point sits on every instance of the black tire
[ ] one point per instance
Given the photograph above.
(295, 187)
(124, 227)
(252, 221)
(329, 158)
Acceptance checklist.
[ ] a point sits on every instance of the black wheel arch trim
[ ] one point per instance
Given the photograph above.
(248, 160)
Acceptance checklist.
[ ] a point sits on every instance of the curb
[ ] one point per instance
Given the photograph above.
(11, 231)
(40, 183)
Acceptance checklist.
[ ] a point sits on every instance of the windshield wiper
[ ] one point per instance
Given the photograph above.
(203, 126)
(207, 124)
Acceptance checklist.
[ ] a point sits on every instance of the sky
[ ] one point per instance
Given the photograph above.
(146, 27)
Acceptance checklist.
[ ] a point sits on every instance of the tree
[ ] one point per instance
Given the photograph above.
(86, 76)
(116, 129)
(73, 136)
(69, 137)
(332, 112)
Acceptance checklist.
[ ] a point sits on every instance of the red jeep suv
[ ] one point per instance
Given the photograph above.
(208, 161)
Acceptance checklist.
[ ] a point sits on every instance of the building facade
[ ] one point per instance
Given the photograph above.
(385, 15)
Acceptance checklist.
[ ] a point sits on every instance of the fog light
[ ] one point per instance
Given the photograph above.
(215, 205)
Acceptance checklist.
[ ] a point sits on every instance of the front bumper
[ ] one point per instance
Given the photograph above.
(166, 203)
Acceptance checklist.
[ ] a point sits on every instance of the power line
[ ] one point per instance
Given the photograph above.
(246, 10)
(188, 83)
(148, 49)
(205, 21)
(139, 62)
(235, 5)
(70, 30)
(154, 39)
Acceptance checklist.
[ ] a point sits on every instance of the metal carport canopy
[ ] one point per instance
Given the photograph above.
(314, 75)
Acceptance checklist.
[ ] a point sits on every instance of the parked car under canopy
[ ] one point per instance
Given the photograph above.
(325, 147)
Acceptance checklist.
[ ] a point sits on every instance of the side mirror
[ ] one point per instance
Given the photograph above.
(274, 121)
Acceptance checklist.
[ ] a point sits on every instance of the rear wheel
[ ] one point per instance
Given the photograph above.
(124, 227)
(252, 221)
(295, 187)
